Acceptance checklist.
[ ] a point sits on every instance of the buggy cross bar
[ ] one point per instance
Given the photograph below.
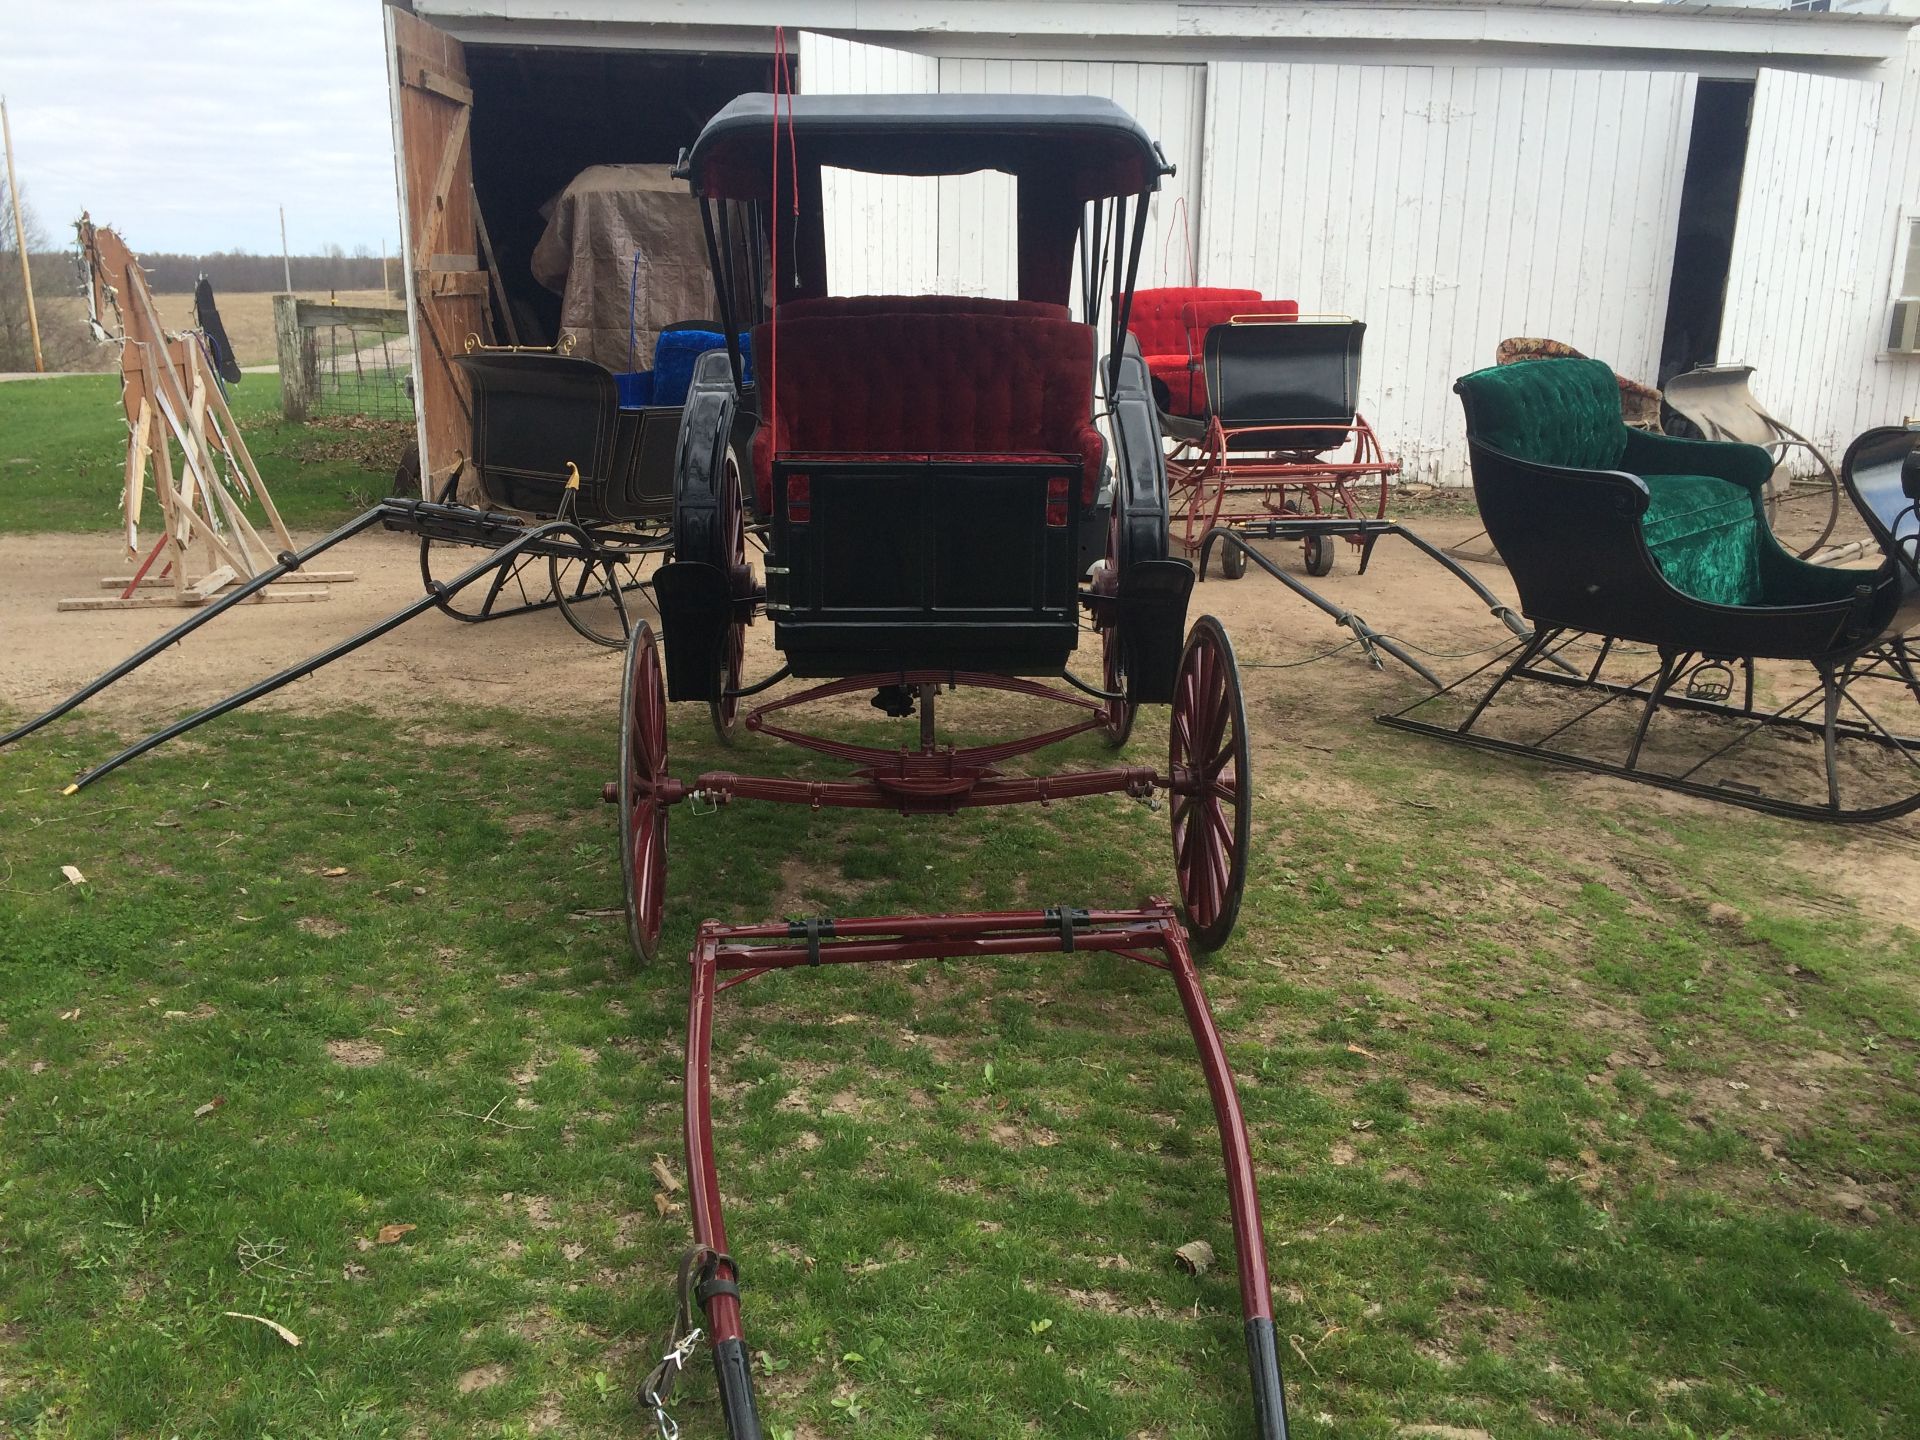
(1152, 936)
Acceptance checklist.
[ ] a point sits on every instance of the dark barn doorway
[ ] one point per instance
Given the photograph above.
(1703, 241)
(541, 115)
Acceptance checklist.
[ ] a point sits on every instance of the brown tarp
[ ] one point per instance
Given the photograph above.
(595, 227)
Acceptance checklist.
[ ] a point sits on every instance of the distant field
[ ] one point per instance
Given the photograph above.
(248, 317)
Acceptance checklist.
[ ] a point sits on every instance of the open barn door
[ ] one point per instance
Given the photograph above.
(882, 230)
(446, 287)
(1804, 196)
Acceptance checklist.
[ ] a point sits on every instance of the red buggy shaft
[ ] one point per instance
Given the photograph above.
(1150, 936)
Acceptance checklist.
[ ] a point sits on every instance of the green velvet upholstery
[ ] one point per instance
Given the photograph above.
(1552, 412)
(1701, 531)
(1705, 523)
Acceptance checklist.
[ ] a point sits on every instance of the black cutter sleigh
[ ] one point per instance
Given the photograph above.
(939, 510)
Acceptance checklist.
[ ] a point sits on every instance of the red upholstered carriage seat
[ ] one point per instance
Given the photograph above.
(959, 385)
(1156, 322)
(1199, 316)
(918, 305)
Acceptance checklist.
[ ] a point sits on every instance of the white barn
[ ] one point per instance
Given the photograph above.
(1655, 184)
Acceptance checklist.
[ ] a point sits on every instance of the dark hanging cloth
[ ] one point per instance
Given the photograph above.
(207, 316)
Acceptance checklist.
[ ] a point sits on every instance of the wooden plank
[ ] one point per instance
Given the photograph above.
(212, 583)
(441, 193)
(325, 312)
(424, 78)
(139, 444)
(465, 283)
(272, 595)
(303, 577)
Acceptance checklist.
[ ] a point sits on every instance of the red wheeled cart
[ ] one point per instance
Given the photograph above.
(939, 510)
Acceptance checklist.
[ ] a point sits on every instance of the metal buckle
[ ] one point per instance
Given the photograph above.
(657, 1388)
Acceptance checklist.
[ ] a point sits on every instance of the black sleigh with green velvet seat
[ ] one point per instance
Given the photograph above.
(1629, 548)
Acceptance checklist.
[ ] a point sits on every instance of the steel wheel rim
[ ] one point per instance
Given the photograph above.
(1208, 761)
(643, 819)
(573, 580)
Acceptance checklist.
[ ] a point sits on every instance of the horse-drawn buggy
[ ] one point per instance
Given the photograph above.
(940, 513)
(567, 489)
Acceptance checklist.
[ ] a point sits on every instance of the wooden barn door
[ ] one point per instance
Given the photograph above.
(446, 287)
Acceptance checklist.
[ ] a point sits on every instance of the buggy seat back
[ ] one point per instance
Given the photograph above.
(1719, 400)
(1197, 317)
(1158, 321)
(1285, 373)
(533, 414)
(926, 476)
(954, 386)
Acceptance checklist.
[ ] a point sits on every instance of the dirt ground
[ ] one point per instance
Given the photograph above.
(46, 653)
(536, 663)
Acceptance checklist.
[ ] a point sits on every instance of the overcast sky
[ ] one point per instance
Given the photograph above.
(186, 123)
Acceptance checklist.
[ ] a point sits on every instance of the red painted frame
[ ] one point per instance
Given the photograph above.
(1150, 936)
(1213, 485)
(934, 778)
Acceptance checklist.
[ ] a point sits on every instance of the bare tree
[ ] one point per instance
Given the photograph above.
(65, 342)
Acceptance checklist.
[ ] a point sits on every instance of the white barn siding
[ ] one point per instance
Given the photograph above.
(882, 230)
(977, 231)
(904, 235)
(1449, 207)
(1832, 165)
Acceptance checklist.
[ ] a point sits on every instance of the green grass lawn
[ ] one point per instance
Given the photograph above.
(63, 454)
(1569, 1124)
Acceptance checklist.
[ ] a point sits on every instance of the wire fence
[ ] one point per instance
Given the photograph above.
(343, 360)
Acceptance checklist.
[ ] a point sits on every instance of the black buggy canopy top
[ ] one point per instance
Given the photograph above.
(1065, 152)
(1085, 143)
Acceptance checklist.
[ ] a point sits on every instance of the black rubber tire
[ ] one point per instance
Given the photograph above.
(1318, 552)
(1233, 562)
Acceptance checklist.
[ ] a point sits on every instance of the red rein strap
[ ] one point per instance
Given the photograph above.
(1186, 234)
(782, 85)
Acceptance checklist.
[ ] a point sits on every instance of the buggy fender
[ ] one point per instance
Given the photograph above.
(700, 463)
(1140, 465)
(695, 602)
(1153, 623)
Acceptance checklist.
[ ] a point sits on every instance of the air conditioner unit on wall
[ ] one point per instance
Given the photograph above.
(1903, 334)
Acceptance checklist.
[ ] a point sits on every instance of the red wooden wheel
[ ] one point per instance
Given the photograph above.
(725, 708)
(643, 768)
(1212, 784)
(1113, 679)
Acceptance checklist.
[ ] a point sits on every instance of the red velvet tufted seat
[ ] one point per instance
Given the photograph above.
(918, 305)
(895, 386)
(1199, 316)
(1156, 322)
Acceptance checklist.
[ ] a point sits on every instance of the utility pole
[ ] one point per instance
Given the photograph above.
(384, 289)
(20, 239)
(286, 263)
